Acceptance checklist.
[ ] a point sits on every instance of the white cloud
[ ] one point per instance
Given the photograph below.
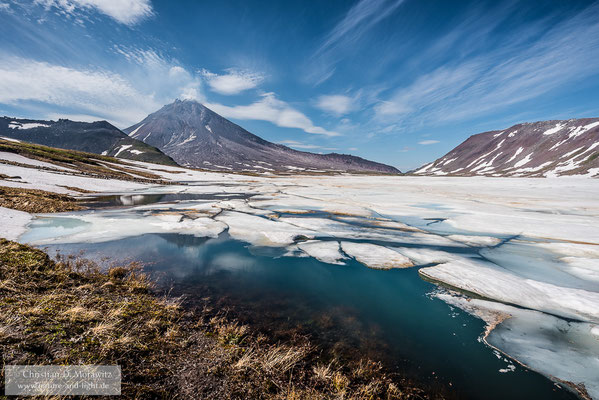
(128, 12)
(427, 142)
(233, 82)
(304, 146)
(100, 93)
(74, 117)
(271, 109)
(96, 93)
(336, 104)
(298, 145)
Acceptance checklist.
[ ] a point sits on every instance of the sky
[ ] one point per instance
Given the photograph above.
(396, 81)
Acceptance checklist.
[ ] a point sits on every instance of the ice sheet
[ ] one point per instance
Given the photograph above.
(327, 252)
(374, 256)
(261, 231)
(113, 225)
(564, 351)
(492, 282)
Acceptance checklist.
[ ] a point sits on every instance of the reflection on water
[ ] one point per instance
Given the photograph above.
(349, 310)
(145, 199)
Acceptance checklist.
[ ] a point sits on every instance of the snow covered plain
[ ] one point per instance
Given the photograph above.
(529, 247)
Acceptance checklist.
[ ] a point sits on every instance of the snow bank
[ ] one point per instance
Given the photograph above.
(31, 178)
(29, 161)
(13, 223)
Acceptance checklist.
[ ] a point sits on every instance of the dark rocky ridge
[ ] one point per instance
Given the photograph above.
(541, 149)
(195, 136)
(98, 137)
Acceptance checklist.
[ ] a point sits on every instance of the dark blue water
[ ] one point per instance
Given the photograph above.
(351, 311)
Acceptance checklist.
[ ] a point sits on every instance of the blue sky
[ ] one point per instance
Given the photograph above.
(397, 81)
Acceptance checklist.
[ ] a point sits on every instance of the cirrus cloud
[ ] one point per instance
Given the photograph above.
(128, 12)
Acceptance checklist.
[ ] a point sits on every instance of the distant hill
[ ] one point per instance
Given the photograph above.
(195, 136)
(543, 149)
(94, 137)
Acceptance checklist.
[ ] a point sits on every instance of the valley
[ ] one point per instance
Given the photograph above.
(501, 253)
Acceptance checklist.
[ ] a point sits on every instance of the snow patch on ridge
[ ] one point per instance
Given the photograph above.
(123, 148)
(524, 161)
(558, 127)
(135, 130)
(31, 125)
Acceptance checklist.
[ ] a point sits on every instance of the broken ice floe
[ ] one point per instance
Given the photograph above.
(567, 352)
(374, 256)
(493, 282)
(327, 251)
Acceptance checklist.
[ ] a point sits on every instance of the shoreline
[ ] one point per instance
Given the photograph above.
(69, 312)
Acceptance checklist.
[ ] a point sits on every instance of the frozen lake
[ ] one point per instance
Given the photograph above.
(350, 260)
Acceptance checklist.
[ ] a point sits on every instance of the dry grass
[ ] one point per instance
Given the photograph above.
(70, 312)
(36, 201)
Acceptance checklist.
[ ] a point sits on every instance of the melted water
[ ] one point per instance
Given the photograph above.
(351, 310)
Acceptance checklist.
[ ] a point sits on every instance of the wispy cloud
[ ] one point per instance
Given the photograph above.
(336, 104)
(304, 146)
(428, 142)
(169, 79)
(562, 53)
(128, 12)
(233, 82)
(361, 18)
(273, 110)
(358, 20)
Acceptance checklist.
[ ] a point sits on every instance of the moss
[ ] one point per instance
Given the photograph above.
(592, 158)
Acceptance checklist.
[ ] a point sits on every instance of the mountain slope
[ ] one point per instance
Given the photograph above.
(544, 148)
(98, 137)
(195, 136)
